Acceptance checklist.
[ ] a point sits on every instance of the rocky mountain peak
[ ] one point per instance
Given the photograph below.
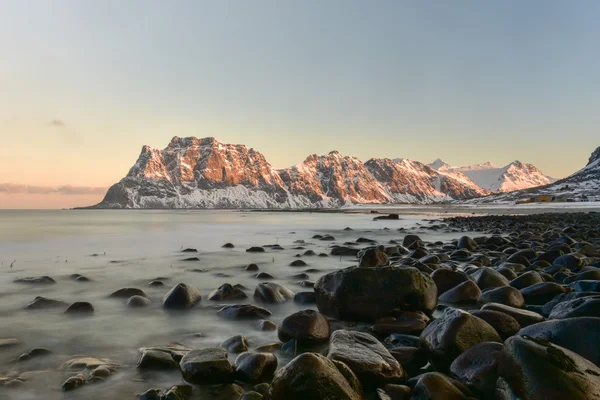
(595, 156)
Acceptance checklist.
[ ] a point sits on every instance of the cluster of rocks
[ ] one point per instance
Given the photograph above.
(512, 314)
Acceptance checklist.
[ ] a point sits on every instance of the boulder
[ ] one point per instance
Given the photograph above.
(504, 324)
(477, 367)
(369, 293)
(36, 280)
(374, 257)
(523, 317)
(305, 327)
(365, 356)
(207, 366)
(182, 296)
(344, 251)
(487, 278)
(44, 302)
(537, 370)
(581, 307)
(466, 292)
(446, 279)
(137, 301)
(507, 295)
(235, 344)
(305, 298)
(527, 279)
(255, 367)
(272, 293)
(227, 292)
(80, 307)
(454, 332)
(541, 293)
(312, 376)
(126, 293)
(436, 386)
(243, 311)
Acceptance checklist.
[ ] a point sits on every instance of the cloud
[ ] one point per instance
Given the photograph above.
(57, 123)
(68, 190)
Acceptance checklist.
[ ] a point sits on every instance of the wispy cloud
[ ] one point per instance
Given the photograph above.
(69, 190)
(57, 123)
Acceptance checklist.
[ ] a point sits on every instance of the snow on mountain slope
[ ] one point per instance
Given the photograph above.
(582, 185)
(205, 173)
(514, 176)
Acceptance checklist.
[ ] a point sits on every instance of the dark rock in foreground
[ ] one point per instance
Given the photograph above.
(181, 296)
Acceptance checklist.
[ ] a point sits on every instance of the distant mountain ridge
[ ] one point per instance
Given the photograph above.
(514, 176)
(205, 173)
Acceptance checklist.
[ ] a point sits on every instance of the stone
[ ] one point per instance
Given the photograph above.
(235, 344)
(436, 386)
(452, 334)
(365, 294)
(227, 292)
(406, 322)
(466, 292)
(151, 394)
(243, 311)
(182, 296)
(155, 359)
(44, 302)
(581, 307)
(265, 325)
(537, 370)
(487, 278)
(255, 367)
(477, 367)
(504, 324)
(251, 267)
(298, 263)
(523, 317)
(507, 295)
(255, 249)
(527, 279)
(307, 327)
(36, 280)
(446, 279)
(126, 293)
(272, 293)
(137, 301)
(80, 307)
(344, 251)
(374, 257)
(541, 293)
(312, 376)
(466, 242)
(228, 246)
(207, 366)
(305, 298)
(365, 356)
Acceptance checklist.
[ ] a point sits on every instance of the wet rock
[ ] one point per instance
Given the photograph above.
(44, 302)
(305, 298)
(191, 259)
(34, 353)
(466, 292)
(507, 273)
(156, 359)
(73, 383)
(527, 279)
(156, 283)
(541, 293)
(179, 392)
(393, 217)
(537, 369)
(581, 307)
(573, 261)
(84, 370)
(236, 344)
(504, 324)
(182, 296)
(264, 275)
(227, 292)
(9, 342)
(365, 294)
(36, 280)
(207, 366)
(344, 251)
(396, 392)
(466, 242)
(580, 335)
(137, 301)
(255, 367)
(312, 376)
(298, 263)
(507, 295)
(548, 307)
(228, 246)
(477, 367)
(243, 311)
(523, 317)
(374, 257)
(151, 394)
(365, 356)
(266, 325)
(80, 307)
(487, 278)
(452, 334)
(126, 293)
(446, 279)
(251, 267)
(255, 249)
(404, 323)
(272, 293)
(412, 359)
(307, 327)
(585, 286)
(309, 253)
(436, 386)
(189, 250)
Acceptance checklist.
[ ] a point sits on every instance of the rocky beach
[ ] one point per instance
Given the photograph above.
(303, 306)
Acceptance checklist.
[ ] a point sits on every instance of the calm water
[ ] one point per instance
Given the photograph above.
(132, 248)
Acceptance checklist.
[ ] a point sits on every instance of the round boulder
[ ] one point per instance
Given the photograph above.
(207, 367)
(306, 327)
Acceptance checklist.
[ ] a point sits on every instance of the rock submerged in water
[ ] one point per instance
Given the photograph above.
(366, 294)
(243, 311)
(36, 280)
(227, 292)
(181, 297)
(126, 293)
(255, 367)
(312, 376)
(80, 307)
(41, 302)
(305, 327)
(137, 302)
(235, 344)
(272, 293)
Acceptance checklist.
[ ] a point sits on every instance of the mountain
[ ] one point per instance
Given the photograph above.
(205, 173)
(583, 184)
(514, 176)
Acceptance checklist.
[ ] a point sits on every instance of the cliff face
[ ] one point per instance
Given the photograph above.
(205, 173)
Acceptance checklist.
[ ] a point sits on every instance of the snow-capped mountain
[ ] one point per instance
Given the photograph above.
(205, 173)
(583, 184)
(514, 176)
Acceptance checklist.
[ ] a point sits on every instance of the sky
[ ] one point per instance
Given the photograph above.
(84, 85)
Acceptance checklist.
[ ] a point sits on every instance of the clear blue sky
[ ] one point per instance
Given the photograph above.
(467, 81)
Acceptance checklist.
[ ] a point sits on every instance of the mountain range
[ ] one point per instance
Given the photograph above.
(205, 173)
